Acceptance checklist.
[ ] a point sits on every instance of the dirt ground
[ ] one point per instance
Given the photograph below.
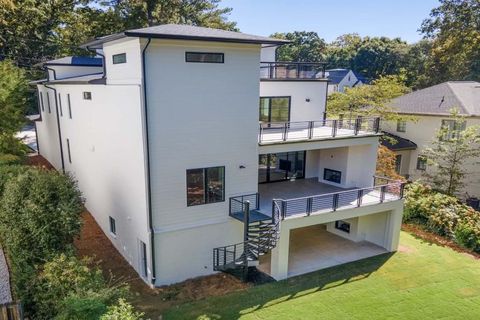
(153, 301)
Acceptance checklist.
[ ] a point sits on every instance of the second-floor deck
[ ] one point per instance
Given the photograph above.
(292, 70)
(281, 132)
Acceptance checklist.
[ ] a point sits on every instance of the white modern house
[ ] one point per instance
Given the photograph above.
(431, 108)
(197, 152)
(340, 78)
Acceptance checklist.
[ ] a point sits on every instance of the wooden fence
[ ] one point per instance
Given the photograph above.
(11, 311)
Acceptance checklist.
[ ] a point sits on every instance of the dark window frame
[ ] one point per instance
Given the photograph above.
(69, 106)
(87, 95)
(343, 226)
(270, 106)
(325, 170)
(221, 54)
(268, 176)
(118, 55)
(401, 126)
(398, 163)
(205, 185)
(48, 103)
(421, 163)
(68, 151)
(113, 225)
(143, 259)
(60, 104)
(42, 102)
(452, 133)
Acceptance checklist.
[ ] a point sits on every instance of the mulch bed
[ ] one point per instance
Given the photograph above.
(420, 232)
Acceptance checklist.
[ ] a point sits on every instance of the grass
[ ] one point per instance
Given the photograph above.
(421, 281)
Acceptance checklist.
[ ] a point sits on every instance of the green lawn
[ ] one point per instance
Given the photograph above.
(421, 281)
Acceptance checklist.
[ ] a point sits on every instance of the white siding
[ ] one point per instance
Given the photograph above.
(106, 147)
(62, 72)
(124, 73)
(299, 91)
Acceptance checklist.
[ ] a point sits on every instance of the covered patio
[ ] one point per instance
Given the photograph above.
(313, 248)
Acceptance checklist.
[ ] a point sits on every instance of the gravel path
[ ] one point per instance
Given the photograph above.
(5, 295)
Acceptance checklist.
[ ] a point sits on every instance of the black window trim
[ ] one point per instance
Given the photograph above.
(69, 106)
(42, 102)
(112, 225)
(87, 95)
(270, 106)
(420, 159)
(204, 185)
(124, 54)
(48, 103)
(216, 53)
(68, 151)
(60, 104)
(401, 126)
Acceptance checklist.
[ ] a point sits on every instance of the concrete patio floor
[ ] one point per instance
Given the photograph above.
(314, 248)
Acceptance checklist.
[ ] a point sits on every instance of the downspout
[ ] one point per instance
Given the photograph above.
(147, 149)
(58, 125)
(104, 67)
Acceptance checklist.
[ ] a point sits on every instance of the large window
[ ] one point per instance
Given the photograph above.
(119, 58)
(281, 166)
(275, 109)
(453, 129)
(205, 185)
(204, 57)
(401, 126)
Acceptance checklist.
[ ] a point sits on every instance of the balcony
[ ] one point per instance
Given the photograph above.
(307, 197)
(282, 132)
(292, 70)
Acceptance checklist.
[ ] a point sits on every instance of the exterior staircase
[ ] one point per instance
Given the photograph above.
(261, 234)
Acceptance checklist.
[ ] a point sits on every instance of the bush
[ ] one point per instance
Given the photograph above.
(122, 311)
(69, 288)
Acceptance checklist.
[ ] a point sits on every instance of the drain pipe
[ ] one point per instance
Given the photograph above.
(147, 149)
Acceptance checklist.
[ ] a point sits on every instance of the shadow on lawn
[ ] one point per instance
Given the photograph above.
(234, 305)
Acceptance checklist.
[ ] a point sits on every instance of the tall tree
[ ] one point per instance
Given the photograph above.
(454, 28)
(305, 47)
(371, 99)
(453, 153)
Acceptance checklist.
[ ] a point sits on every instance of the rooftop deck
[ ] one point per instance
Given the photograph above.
(292, 70)
(284, 132)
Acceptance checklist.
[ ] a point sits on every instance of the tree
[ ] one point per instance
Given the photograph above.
(452, 152)
(386, 163)
(305, 47)
(367, 100)
(454, 28)
(13, 106)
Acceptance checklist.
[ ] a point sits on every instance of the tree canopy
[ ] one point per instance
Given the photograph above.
(305, 47)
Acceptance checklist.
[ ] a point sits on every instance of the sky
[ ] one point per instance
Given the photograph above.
(332, 18)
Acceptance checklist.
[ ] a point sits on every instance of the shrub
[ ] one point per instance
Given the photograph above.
(122, 311)
(69, 288)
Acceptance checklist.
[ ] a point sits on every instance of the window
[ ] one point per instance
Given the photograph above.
(204, 57)
(60, 103)
(343, 226)
(48, 103)
(274, 109)
(401, 126)
(87, 95)
(41, 101)
(119, 58)
(281, 166)
(452, 128)
(68, 151)
(205, 186)
(143, 259)
(332, 175)
(421, 163)
(113, 227)
(69, 106)
(398, 163)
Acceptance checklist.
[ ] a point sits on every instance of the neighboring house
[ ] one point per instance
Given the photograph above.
(178, 132)
(431, 108)
(339, 79)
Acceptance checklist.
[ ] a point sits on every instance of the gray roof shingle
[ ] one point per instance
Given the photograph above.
(441, 98)
(187, 32)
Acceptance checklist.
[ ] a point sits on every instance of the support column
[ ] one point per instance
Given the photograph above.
(393, 228)
(279, 256)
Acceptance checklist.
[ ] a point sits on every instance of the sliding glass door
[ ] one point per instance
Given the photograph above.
(281, 166)
(275, 109)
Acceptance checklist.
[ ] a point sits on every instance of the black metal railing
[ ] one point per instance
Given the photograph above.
(311, 130)
(237, 204)
(342, 200)
(231, 256)
(292, 70)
